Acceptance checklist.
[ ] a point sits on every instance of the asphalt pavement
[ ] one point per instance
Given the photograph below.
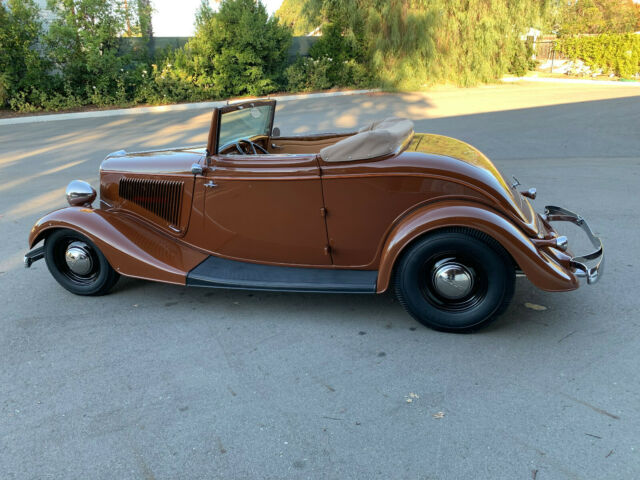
(166, 382)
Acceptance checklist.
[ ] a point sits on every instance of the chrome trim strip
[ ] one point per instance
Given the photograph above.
(588, 266)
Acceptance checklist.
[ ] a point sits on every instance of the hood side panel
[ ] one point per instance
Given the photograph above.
(156, 186)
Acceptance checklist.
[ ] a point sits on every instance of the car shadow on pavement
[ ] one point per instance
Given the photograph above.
(531, 309)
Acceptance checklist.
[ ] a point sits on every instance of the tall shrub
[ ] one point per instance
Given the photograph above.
(339, 57)
(238, 50)
(84, 45)
(22, 66)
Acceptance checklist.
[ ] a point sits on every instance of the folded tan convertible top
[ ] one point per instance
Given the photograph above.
(375, 140)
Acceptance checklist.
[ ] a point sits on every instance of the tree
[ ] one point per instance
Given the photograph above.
(298, 15)
(22, 67)
(84, 44)
(599, 16)
(238, 50)
(204, 15)
(342, 44)
(413, 43)
(144, 18)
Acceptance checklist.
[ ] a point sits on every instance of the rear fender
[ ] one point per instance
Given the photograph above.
(541, 269)
(132, 248)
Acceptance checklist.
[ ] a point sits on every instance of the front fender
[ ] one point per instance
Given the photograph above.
(132, 248)
(541, 269)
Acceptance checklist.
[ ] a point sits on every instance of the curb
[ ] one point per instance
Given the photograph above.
(169, 108)
(609, 83)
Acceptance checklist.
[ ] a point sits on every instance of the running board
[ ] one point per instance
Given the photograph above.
(218, 272)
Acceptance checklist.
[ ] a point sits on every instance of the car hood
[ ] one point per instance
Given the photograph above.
(486, 172)
(177, 160)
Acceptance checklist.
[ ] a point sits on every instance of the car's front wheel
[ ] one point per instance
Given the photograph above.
(77, 263)
(456, 280)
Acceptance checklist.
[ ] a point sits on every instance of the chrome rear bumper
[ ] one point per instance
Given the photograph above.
(588, 266)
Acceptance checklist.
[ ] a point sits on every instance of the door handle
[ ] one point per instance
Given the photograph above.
(210, 184)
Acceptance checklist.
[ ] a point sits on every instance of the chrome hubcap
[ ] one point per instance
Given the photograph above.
(78, 258)
(452, 280)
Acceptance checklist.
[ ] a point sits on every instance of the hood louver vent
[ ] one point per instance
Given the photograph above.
(161, 197)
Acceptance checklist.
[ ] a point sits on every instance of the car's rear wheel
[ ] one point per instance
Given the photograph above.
(456, 280)
(77, 263)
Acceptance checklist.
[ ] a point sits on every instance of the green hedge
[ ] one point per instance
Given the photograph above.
(613, 53)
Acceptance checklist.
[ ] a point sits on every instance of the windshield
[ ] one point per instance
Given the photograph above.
(246, 122)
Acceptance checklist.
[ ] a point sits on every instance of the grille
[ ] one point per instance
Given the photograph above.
(161, 197)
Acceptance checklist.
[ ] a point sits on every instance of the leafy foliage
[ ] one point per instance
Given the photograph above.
(79, 61)
(143, 15)
(598, 17)
(21, 63)
(84, 46)
(238, 50)
(308, 74)
(298, 17)
(169, 81)
(338, 58)
(414, 43)
(612, 53)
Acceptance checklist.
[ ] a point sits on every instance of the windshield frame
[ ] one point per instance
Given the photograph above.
(239, 106)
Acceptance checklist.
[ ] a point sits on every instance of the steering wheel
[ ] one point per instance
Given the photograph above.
(251, 144)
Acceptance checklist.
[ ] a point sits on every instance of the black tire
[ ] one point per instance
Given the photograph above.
(483, 289)
(99, 278)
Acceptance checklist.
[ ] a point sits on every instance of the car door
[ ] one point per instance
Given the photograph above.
(266, 208)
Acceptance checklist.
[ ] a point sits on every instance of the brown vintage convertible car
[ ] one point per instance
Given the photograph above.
(427, 216)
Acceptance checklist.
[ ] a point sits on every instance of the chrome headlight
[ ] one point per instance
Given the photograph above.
(80, 194)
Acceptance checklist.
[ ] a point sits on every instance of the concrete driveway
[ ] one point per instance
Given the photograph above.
(159, 381)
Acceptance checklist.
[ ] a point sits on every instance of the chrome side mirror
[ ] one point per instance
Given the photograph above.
(80, 194)
(196, 169)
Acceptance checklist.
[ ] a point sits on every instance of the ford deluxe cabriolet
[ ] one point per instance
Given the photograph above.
(381, 208)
